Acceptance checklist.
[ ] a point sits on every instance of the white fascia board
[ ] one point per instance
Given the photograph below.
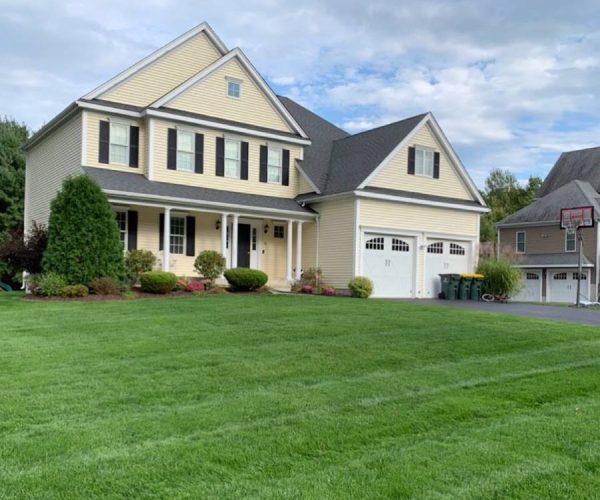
(109, 109)
(222, 126)
(238, 54)
(63, 116)
(429, 235)
(199, 203)
(416, 201)
(307, 178)
(319, 199)
(132, 70)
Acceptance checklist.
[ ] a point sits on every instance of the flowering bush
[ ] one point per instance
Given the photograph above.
(327, 290)
(195, 286)
(307, 289)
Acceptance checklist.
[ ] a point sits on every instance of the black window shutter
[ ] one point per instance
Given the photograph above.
(172, 149)
(263, 164)
(190, 235)
(436, 165)
(132, 229)
(199, 154)
(161, 232)
(103, 144)
(220, 167)
(134, 145)
(285, 172)
(411, 161)
(244, 165)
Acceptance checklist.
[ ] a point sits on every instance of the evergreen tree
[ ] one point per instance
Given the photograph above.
(12, 174)
(83, 237)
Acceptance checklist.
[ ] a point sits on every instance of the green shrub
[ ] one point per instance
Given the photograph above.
(138, 262)
(244, 279)
(75, 291)
(105, 286)
(210, 265)
(50, 284)
(361, 287)
(312, 276)
(83, 238)
(500, 277)
(158, 282)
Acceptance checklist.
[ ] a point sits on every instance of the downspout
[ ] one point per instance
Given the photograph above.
(497, 243)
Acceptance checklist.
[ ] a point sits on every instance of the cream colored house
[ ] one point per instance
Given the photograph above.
(196, 152)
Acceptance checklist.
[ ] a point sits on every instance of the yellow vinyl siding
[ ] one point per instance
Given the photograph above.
(389, 214)
(209, 97)
(49, 162)
(303, 185)
(309, 245)
(394, 174)
(209, 179)
(166, 73)
(336, 237)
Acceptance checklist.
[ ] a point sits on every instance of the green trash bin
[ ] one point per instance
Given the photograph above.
(476, 286)
(455, 285)
(449, 286)
(464, 289)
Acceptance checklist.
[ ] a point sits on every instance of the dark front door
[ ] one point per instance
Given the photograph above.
(243, 245)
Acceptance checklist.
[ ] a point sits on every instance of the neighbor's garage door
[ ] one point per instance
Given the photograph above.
(444, 257)
(390, 262)
(562, 285)
(532, 286)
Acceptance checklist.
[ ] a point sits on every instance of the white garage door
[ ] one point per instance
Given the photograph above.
(562, 285)
(444, 257)
(390, 262)
(532, 286)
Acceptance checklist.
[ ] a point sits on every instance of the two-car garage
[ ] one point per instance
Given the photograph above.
(409, 265)
(553, 285)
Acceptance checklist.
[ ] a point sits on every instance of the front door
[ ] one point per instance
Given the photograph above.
(243, 245)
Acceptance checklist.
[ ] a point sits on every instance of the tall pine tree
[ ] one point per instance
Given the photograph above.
(12, 174)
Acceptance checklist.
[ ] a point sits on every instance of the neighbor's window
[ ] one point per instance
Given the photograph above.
(520, 241)
(571, 241)
(278, 231)
(424, 162)
(274, 165)
(233, 88)
(232, 158)
(177, 235)
(119, 143)
(121, 217)
(185, 151)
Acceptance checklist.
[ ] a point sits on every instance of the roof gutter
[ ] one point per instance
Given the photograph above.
(501, 225)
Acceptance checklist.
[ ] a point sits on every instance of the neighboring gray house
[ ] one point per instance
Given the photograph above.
(546, 253)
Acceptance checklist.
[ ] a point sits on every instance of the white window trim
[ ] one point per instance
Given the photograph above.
(429, 150)
(178, 216)
(567, 245)
(239, 169)
(123, 211)
(524, 242)
(229, 80)
(280, 149)
(185, 130)
(128, 130)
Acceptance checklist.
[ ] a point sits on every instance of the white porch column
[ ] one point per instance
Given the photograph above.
(167, 240)
(290, 229)
(234, 240)
(224, 237)
(298, 250)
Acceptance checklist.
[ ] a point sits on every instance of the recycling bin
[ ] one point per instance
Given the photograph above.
(464, 289)
(450, 283)
(476, 286)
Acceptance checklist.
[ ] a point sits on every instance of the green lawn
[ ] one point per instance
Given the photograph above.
(293, 397)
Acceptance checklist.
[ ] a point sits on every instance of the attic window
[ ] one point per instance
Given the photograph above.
(233, 88)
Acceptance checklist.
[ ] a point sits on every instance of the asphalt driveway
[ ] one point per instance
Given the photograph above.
(562, 313)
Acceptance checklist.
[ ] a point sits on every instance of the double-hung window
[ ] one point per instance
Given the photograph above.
(119, 143)
(521, 242)
(177, 236)
(424, 162)
(185, 151)
(570, 241)
(274, 165)
(121, 217)
(233, 88)
(232, 158)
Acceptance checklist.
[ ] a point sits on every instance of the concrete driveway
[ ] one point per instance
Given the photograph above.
(562, 313)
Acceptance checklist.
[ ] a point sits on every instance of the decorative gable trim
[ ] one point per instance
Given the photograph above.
(146, 61)
(247, 65)
(441, 137)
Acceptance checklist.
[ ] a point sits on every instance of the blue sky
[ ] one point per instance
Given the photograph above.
(512, 83)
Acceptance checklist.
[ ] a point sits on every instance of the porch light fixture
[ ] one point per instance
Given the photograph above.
(218, 224)
(266, 228)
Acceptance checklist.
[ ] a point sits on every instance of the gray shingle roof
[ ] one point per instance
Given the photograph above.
(552, 259)
(337, 162)
(112, 180)
(322, 134)
(583, 165)
(547, 209)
